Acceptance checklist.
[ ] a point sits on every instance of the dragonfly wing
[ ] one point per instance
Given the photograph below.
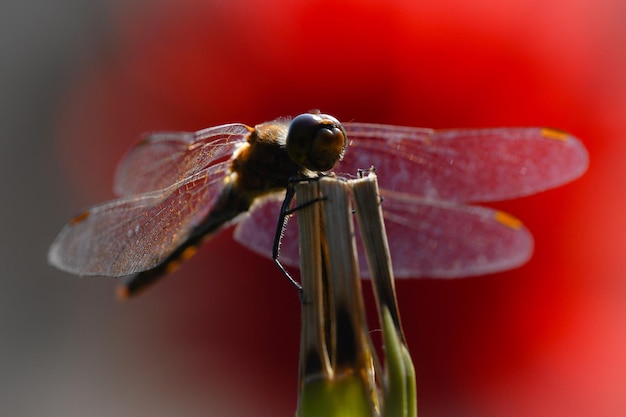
(136, 233)
(427, 238)
(162, 159)
(257, 229)
(464, 165)
(439, 239)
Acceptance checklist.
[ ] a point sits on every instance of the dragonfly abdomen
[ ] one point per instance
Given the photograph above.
(228, 206)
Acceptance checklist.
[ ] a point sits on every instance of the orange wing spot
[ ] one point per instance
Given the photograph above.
(554, 134)
(188, 253)
(80, 218)
(507, 220)
(122, 292)
(172, 266)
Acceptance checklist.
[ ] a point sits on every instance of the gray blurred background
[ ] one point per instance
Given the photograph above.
(41, 45)
(52, 362)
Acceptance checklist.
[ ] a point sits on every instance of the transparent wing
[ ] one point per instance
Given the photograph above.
(464, 165)
(438, 239)
(162, 159)
(427, 238)
(136, 233)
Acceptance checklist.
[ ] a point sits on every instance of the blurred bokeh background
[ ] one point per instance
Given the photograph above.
(81, 80)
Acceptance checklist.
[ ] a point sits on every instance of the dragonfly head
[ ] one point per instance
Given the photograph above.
(316, 141)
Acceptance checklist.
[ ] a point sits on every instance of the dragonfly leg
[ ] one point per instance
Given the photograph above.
(280, 229)
(285, 212)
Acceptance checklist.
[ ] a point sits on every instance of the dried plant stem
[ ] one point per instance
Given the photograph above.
(369, 213)
(338, 366)
(399, 385)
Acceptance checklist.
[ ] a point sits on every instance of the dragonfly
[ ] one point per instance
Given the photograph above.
(178, 189)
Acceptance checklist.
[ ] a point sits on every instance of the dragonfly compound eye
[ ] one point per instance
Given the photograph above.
(316, 141)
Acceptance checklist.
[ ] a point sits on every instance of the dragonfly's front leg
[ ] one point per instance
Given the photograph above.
(285, 212)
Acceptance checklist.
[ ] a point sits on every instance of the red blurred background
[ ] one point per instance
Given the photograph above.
(220, 337)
